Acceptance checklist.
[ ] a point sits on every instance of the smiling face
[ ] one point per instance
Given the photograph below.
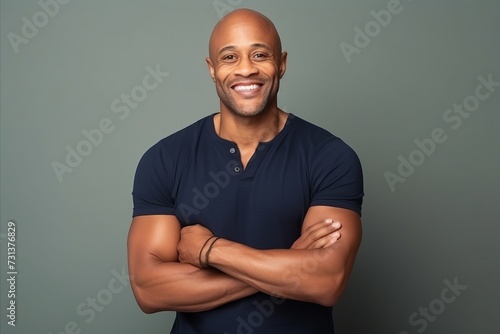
(246, 63)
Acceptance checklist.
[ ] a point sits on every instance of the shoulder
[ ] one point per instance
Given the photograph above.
(318, 141)
(163, 164)
(179, 144)
(335, 172)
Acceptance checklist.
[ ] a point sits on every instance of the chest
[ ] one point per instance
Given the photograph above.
(262, 205)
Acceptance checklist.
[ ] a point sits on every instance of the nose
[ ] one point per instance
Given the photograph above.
(246, 67)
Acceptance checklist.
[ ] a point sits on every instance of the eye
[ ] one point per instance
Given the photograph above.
(229, 58)
(261, 56)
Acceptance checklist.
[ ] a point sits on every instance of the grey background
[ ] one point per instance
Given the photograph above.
(441, 223)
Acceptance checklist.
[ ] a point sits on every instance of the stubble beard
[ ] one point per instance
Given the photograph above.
(240, 110)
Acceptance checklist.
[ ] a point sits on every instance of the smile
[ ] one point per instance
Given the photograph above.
(247, 88)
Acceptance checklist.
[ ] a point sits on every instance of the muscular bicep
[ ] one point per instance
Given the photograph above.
(350, 232)
(153, 238)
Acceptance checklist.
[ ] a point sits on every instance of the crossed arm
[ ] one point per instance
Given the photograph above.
(166, 274)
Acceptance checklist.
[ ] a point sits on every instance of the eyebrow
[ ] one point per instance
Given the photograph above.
(254, 45)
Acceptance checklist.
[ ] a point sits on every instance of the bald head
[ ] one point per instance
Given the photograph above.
(246, 63)
(242, 19)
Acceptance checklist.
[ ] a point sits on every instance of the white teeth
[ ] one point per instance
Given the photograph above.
(246, 88)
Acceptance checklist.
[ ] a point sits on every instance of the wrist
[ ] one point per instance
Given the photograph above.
(207, 254)
(202, 256)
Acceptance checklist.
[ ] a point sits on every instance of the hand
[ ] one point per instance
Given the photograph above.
(193, 238)
(319, 235)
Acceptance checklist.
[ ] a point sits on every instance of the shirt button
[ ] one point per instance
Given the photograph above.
(237, 169)
(232, 150)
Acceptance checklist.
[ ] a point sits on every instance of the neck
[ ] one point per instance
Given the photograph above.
(249, 131)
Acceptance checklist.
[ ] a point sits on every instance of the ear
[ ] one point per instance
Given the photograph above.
(211, 68)
(282, 68)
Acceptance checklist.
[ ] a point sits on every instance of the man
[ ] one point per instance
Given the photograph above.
(237, 217)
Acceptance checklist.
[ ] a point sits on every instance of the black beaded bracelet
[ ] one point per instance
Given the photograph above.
(208, 252)
(201, 251)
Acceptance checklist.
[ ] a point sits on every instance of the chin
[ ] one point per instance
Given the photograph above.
(247, 113)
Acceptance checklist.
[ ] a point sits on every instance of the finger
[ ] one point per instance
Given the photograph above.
(318, 225)
(325, 241)
(315, 239)
(316, 232)
(310, 239)
(333, 239)
(323, 231)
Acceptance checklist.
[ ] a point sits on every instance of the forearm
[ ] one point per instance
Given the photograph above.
(173, 286)
(312, 275)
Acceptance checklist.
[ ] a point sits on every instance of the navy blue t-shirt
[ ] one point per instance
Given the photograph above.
(198, 177)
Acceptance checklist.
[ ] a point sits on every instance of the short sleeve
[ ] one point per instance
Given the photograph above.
(152, 189)
(337, 177)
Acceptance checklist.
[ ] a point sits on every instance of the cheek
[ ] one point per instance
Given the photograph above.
(223, 72)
